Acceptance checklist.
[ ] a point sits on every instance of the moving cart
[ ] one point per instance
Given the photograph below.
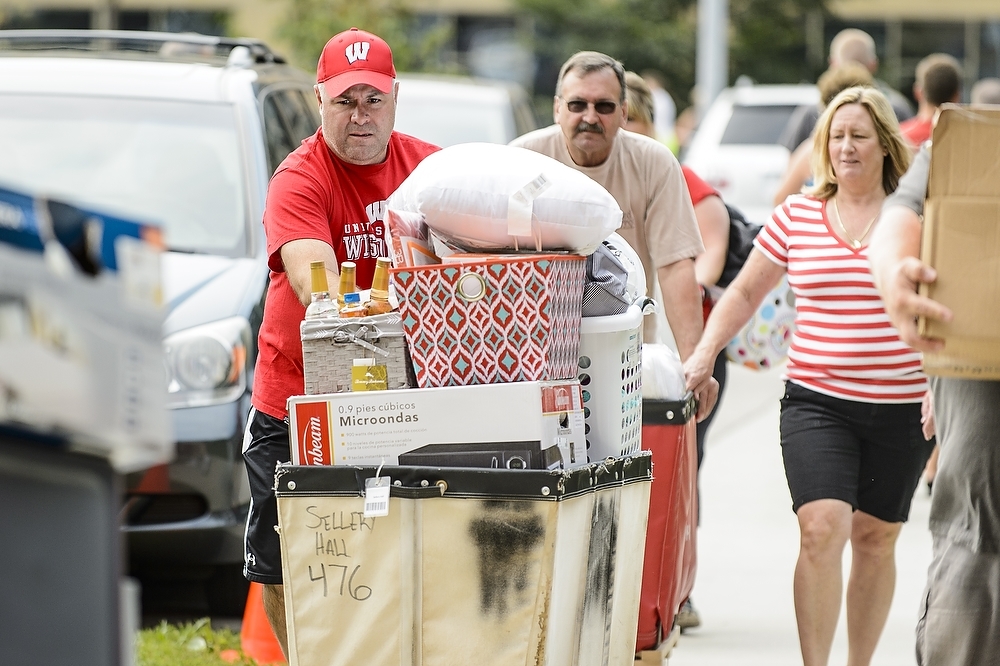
(491, 567)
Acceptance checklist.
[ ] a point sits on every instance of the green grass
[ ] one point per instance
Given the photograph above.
(191, 644)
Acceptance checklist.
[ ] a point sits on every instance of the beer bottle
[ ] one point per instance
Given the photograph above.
(322, 305)
(379, 301)
(347, 281)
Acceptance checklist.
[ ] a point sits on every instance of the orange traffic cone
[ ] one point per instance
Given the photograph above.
(256, 637)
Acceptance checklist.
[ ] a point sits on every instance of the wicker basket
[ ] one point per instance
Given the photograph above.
(330, 346)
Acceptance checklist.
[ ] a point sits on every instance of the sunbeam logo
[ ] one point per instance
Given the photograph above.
(313, 436)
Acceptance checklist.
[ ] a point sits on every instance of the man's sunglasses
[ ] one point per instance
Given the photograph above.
(579, 106)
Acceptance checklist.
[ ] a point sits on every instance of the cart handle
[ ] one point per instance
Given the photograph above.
(425, 490)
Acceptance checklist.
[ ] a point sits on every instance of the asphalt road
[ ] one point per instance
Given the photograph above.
(748, 543)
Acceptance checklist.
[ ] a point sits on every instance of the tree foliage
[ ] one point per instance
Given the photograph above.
(309, 24)
(767, 37)
(767, 40)
(643, 34)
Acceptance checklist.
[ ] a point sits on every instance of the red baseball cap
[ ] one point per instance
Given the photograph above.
(352, 57)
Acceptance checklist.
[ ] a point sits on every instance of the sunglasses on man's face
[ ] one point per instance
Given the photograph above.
(579, 106)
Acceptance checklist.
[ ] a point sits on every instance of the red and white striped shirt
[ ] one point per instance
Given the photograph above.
(843, 343)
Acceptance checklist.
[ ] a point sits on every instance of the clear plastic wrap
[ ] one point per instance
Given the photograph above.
(487, 197)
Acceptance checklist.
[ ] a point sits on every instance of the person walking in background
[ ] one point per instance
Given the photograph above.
(830, 84)
(645, 179)
(848, 46)
(938, 80)
(958, 623)
(850, 426)
(853, 45)
(713, 223)
(318, 208)
(664, 110)
(687, 123)
(985, 91)
(709, 210)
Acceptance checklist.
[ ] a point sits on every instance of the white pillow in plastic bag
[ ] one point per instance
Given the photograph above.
(484, 196)
(662, 373)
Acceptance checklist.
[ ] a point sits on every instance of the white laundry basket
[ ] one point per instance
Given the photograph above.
(610, 372)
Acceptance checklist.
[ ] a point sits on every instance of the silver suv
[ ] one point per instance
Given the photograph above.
(184, 130)
(445, 110)
(743, 144)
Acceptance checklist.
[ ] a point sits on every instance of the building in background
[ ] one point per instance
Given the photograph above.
(907, 30)
(486, 32)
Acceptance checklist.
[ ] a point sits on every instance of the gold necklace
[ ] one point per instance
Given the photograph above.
(855, 242)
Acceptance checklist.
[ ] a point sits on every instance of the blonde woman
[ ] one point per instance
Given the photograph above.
(850, 418)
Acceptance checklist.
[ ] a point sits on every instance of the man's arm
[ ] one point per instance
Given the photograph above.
(682, 304)
(296, 256)
(897, 271)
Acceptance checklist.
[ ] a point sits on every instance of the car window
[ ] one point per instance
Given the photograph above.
(301, 113)
(757, 124)
(305, 114)
(446, 122)
(289, 117)
(276, 131)
(175, 163)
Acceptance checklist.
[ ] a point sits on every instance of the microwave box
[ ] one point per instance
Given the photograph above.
(514, 425)
(961, 240)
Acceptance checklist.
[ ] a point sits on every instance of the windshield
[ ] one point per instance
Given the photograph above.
(757, 124)
(172, 163)
(446, 122)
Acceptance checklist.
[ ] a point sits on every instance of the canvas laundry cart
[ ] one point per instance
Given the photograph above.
(470, 566)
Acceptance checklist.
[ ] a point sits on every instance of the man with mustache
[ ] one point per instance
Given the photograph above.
(645, 179)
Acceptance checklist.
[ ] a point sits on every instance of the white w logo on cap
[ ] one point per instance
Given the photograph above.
(357, 51)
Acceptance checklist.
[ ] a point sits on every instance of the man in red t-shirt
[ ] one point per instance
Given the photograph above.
(326, 202)
(938, 80)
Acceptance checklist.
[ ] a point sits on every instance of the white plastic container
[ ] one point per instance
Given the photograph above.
(610, 373)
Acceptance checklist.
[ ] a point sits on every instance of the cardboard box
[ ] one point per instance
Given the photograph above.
(961, 240)
(522, 421)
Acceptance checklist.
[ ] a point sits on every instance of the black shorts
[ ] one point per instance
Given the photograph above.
(265, 444)
(869, 455)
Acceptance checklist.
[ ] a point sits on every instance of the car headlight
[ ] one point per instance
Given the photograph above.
(206, 365)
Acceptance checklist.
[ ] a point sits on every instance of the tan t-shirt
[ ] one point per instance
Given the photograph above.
(646, 180)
